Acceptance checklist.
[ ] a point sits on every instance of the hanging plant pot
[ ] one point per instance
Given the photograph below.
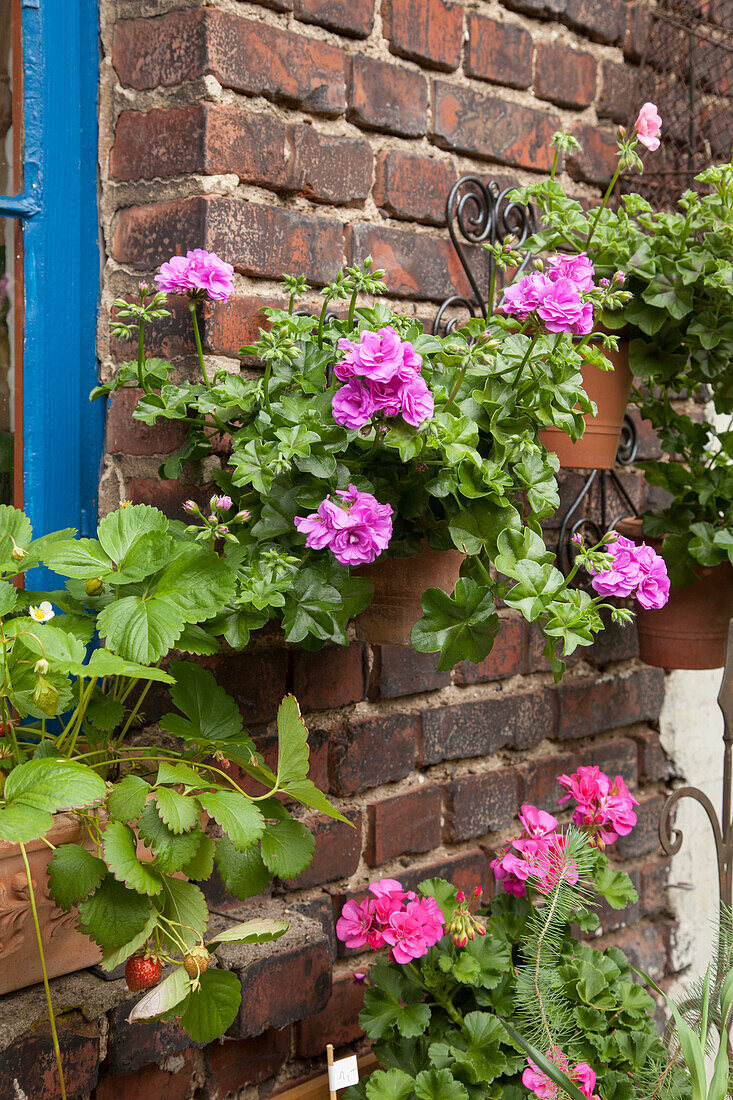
(610, 390)
(66, 950)
(691, 631)
(398, 587)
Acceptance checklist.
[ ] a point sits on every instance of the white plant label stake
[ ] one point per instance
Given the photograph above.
(341, 1074)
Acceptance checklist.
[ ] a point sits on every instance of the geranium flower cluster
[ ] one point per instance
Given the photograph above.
(382, 375)
(356, 531)
(556, 296)
(633, 571)
(604, 809)
(543, 1086)
(539, 854)
(199, 273)
(392, 917)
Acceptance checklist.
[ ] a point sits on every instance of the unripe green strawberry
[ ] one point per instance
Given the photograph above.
(142, 972)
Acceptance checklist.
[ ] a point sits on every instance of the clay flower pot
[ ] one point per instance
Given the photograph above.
(610, 390)
(65, 949)
(691, 631)
(398, 587)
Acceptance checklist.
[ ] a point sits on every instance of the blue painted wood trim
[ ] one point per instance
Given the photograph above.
(63, 432)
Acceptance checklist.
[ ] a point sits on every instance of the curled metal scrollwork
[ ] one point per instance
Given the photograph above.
(478, 213)
(671, 839)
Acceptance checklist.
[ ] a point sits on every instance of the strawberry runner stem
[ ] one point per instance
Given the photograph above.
(49, 1002)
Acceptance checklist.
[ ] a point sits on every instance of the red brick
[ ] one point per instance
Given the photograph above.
(507, 658)
(236, 322)
(538, 780)
(645, 945)
(352, 17)
(638, 29)
(416, 266)
(591, 706)
(654, 764)
(276, 5)
(256, 680)
(499, 51)
(332, 677)
(132, 437)
(466, 871)
(400, 670)
(430, 31)
(599, 20)
(616, 100)
(617, 757)
(371, 752)
(387, 97)
(168, 496)
(595, 161)
(331, 169)
(234, 1063)
(413, 187)
(337, 1023)
(645, 837)
(165, 50)
(338, 848)
(647, 438)
(152, 1081)
(492, 127)
(163, 143)
(258, 240)
(131, 1046)
(483, 803)
(487, 725)
(612, 919)
(407, 822)
(565, 76)
(615, 642)
(28, 1065)
(654, 883)
(281, 988)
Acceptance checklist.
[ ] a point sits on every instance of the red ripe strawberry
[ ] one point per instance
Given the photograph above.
(142, 972)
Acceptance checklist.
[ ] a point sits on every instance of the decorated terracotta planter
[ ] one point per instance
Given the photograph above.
(610, 390)
(398, 587)
(691, 631)
(65, 949)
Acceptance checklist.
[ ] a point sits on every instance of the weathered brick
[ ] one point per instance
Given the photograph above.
(131, 1046)
(332, 677)
(168, 142)
(276, 5)
(600, 20)
(612, 919)
(407, 822)
(165, 50)
(28, 1065)
(565, 76)
(257, 680)
(238, 321)
(338, 848)
(647, 438)
(353, 17)
(487, 725)
(257, 239)
(430, 31)
(498, 51)
(595, 161)
(615, 642)
(234, 1063)
(331, 169)
(128, 436)
(645, 945)
(413, 187)
(387, 97)
(338, 1021)
(644, 838)
(654, 878)
(507, 658)
(585, 707)
(638, 29)
(417, 266)
(400, 670)
(483, 803)
(653, 761)
(492, 127)
(617, 757)
(178, 1084)
(371, 752)
(466, 871)
(616, 100)
(168, 496)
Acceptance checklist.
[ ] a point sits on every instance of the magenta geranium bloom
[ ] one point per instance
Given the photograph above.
(353, 404)
(578, 268)
(563, 310)
(356, 530)
(634, 570)
(545, 1088)
(393, 917)
(378, 356)
(382, 374)
(198, 273)
(523, 298)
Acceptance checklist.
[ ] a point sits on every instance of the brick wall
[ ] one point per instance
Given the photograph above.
(294, 136)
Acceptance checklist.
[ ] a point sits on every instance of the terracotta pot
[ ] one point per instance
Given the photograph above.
(65, 949)
(691, 631)
(398, 587)
(610, 390)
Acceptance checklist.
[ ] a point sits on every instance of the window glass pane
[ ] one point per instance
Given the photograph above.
(10, 91)
(10, 341)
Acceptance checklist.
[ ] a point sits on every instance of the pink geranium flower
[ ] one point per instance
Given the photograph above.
(648, 126)
(523, 298)
(355, 922)
(634, 570)
(353, 404)
(198, 274)
(563, 310)
(378, 356)
(545, 1088)
(536, 822)
(604, 808)
(356, 531)
(578, 268)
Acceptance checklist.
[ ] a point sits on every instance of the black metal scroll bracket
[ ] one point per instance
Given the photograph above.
(671, 839)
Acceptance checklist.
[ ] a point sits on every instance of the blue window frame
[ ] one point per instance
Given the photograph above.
(62, 432)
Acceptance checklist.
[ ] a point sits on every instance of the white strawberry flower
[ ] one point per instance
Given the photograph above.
(42, 613)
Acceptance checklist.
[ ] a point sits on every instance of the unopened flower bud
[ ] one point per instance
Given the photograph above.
(143, 288)
(17, 553)
(603, 282)
(538, 265)
(192, 508)
(460, 896)
(94, 586)
(241, 517)
(41, 666)
(619, 277)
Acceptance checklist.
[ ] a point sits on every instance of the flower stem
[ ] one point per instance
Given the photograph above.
(352, 307)
(49, 1002)
(322, 319)
(523, 364)
(266, 387)
(599, 211)
(197, 338)
(459, 380)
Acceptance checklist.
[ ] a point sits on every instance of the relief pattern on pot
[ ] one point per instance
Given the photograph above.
(16, 916)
